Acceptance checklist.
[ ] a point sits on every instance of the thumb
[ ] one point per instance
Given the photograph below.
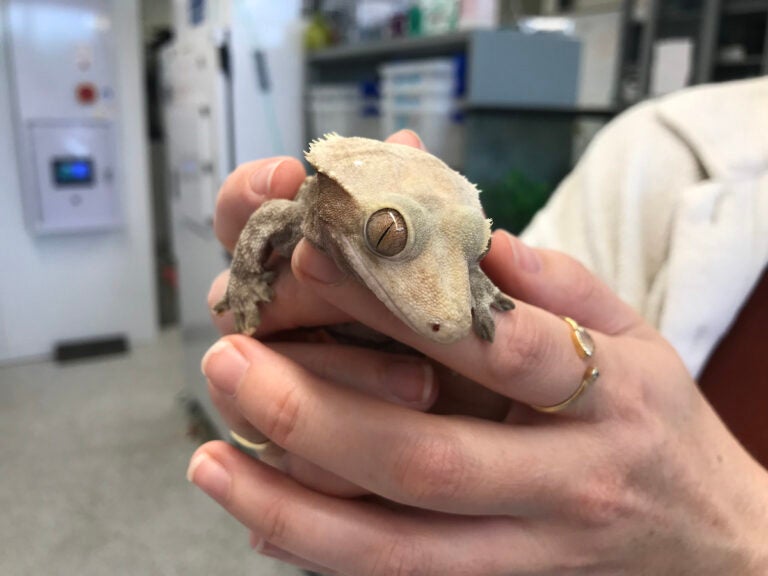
(558, 283)
(408, 138)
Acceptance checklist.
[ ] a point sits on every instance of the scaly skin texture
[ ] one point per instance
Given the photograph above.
(397, 218)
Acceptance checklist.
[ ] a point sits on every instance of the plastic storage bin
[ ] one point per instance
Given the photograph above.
(332, 108)
(342, 108)
(430, 121)
(421, 96)
(436, 75)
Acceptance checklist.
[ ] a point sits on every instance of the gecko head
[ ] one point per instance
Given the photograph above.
(408, 227)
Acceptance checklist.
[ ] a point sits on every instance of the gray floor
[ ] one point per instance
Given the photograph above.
(92, 463)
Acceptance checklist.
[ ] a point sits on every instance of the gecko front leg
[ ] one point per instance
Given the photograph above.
(276, 225)
(486, 296)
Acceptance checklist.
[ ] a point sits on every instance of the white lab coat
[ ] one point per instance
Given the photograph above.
(669, 206)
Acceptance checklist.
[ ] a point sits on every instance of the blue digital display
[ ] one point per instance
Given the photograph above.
(196, 12)
(72, 171)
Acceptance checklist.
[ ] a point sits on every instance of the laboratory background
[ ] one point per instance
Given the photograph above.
(119, 121)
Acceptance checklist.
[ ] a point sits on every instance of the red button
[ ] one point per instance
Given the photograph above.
(86, 93)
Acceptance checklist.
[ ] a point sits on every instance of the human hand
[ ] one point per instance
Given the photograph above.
(638, 476)
(404, 380)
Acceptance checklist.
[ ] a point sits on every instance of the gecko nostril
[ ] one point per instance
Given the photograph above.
(435, 327)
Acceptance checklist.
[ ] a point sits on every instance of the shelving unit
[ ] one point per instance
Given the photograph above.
(712, 24)
(419, 47)
(504, 68)
(518, 106)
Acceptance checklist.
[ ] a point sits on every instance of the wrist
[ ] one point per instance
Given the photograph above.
(730, 526)
(747, 501)
(756, 523)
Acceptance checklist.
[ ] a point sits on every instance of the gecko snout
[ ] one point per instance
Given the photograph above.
(444, 330)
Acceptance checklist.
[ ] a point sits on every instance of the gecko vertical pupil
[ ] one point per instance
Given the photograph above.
(386, 232)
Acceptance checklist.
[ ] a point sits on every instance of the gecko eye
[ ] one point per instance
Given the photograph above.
(386, 232)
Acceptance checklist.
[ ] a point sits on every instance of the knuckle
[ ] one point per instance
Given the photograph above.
(234, 180)
(282, 417)
(402, 556)
(581, 284)
(639, 400)
(522, 348)
(603, 500)
(430, 469)
(275, 522)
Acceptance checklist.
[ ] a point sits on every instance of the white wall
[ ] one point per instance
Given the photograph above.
(79, 286)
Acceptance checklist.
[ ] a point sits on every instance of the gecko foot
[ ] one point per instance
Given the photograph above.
(485, 297)
(502, 302)
(243, 296)
(483, 324)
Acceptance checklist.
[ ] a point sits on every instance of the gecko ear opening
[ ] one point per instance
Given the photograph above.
(386, 232)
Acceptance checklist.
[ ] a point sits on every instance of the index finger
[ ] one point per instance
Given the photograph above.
(248, 187)
(532, 359)
(252, 183)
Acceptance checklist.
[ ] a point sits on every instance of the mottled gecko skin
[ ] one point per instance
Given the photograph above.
(398, 219)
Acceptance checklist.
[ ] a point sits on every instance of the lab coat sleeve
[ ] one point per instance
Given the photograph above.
(615, 211)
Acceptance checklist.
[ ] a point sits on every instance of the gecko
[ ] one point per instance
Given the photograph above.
(396, 218)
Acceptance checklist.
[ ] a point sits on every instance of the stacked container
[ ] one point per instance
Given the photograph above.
(421, 95)
(348, 109)
(333, 108)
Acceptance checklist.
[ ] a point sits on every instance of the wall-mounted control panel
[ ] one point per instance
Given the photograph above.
(63, 79)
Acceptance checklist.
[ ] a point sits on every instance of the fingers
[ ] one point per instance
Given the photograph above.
(556, 282)
(402, 380)
(266, 549)
(242, 193)
(254, 182)
(225, 323)
(406, 137)
(293, 306)
(532, 360)
(359, 538)
(452, 465)
(248, 187)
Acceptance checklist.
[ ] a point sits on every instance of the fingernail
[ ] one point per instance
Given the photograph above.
(257, 542)
(525, 257)
(210, 476)
(319, 266)
(410, 381)
(224, 366)
(416, 136)
(266, 549)
(261, 179)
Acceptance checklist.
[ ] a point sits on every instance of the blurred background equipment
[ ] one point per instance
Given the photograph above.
(63, 73)
(74, 225)
(485, 101)
(231, 88)
(692, 41)
(422, 95)
(535, 80)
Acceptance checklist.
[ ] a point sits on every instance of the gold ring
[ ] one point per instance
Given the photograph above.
(585, 348)
(589, 377)
(258, 448)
